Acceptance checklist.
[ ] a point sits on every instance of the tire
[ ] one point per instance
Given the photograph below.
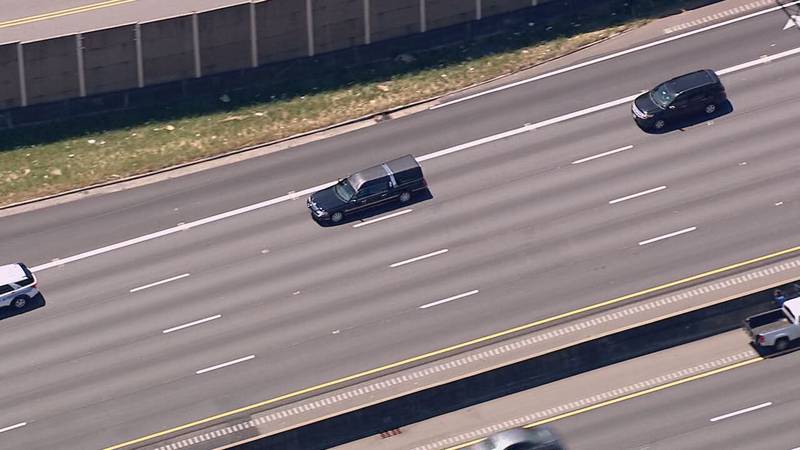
(19, 302)
(710, 108)
(405, 196)
(337, 217)
(659, 124)
(781, 344)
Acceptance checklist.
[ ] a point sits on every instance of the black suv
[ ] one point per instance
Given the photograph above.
(695, 92)
(395, 179)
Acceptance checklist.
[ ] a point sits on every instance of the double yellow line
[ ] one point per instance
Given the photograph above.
(62, 13)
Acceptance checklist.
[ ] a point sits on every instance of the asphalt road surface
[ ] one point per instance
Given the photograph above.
(279, 303)
(752, 407)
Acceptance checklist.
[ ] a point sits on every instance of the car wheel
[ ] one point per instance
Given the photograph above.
(659, 124)
(405, 196)
(781, 344)
(711, 108)
(337, 217)
(20, 302)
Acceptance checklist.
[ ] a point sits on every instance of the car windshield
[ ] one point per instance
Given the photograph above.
(662, 95)
(344, 190)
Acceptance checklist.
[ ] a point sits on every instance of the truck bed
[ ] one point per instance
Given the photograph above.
(766, 322)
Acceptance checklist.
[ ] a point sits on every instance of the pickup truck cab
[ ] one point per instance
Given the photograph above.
(776, 328)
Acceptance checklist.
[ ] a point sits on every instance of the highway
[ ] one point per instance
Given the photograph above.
(534, 224)
(752, 407)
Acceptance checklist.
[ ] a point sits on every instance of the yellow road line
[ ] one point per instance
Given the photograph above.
(460, 346)
(63, 12)
(628, 397)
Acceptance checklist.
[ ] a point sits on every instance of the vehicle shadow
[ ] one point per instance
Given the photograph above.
(373, 212)
(35, 303)
(680, 124)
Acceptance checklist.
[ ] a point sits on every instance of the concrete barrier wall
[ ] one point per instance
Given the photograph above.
(493, 7)
(282, 30)
(338, 24)
(109, 59)
(9, 77)
(167, 50)
(444, 13)
(394, 18)
(225, 39)
(51, 69)
(119, 60)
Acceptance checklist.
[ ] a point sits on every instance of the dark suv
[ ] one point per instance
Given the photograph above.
(696, 92)
(395, 179)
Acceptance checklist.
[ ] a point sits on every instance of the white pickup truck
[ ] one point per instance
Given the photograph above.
(775, 328)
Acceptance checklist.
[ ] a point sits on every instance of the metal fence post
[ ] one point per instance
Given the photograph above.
(137, 36)
(198, 71)
(423, 19)
(367, 31)
(310, 27)
(81, 74)
(253, 35)
(23, 85)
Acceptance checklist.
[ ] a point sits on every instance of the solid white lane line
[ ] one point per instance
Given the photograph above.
(12, 427)
(638, 194)
(388, 216)
(610, 152)
(741, 411)
(226, 364)
(159, 282)
(295, 195)
(666, 236)
(611, 56)
(419, 258)
(191, 324)
(449, 299)
(184, 227)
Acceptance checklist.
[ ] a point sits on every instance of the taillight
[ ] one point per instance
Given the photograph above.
(760, 339)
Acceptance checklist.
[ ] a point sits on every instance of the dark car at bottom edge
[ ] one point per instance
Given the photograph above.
(699, 92)
(397, 179)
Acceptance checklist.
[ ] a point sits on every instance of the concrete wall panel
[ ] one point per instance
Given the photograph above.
(167, 50)
(394, 18)
(492, 7)
(443, 13)
(109, 59)
(338, 24)
(51, 69)
(225, 42)
(282, 31)
(9, 77)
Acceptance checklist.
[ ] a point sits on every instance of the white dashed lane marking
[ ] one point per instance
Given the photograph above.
(379, 219)
(667, 236)
(610, 152)
(638, 194)
(741, 411)
(449, 299)
(191, 324)
(225, 364)
(419, 258)
(157, 283)
(13, 427)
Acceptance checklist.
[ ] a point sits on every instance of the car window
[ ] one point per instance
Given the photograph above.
(344, 190)
(374, 187)
(662, 95)
(5, 289)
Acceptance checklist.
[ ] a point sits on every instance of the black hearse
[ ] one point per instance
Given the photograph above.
(696, 92)
(395, 179)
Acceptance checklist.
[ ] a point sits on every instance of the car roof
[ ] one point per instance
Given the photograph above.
(12, 273)
(371, 173)
(504, 439)
(692, 80)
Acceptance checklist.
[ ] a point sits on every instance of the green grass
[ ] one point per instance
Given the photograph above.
(42, 160)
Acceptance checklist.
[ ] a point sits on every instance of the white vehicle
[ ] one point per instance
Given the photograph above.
(17, 286)
(776, 328)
